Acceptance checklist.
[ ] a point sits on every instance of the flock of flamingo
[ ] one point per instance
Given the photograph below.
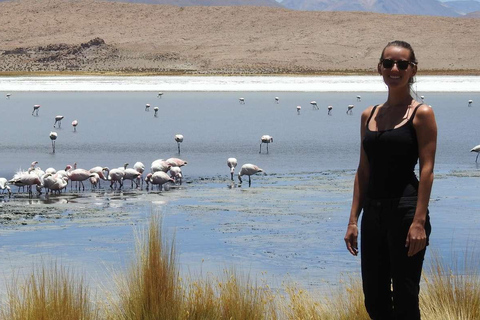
(161, 171)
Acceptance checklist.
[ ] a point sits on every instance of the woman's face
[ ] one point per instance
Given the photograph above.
(395, 77)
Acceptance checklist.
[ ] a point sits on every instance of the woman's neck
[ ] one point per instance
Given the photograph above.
(399, 97)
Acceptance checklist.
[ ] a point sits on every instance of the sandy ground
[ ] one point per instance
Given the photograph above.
(47, 35)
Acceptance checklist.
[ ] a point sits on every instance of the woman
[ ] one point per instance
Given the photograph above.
(395, 222)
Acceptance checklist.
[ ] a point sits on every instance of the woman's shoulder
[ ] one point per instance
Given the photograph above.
(424, 110)
(368, 111)
(424, 113)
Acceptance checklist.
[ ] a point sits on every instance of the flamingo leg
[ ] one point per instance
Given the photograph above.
(260, 147)
(178, 144)
(267, 147)
(477, 157)
(249, 181)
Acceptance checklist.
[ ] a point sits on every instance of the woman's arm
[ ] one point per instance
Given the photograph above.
(426, 129)
(359, 189)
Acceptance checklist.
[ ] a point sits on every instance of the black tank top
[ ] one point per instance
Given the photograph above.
(392, 155)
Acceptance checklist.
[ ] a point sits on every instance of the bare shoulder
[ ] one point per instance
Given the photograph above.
(424, 113)
(367, 112)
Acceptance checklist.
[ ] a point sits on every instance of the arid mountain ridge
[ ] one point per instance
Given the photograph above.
(90, 36)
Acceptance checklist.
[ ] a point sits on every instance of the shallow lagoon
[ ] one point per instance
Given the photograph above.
(289, 224)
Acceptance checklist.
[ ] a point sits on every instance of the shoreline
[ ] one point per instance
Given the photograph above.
(221, 74)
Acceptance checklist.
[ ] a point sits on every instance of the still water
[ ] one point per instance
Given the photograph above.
(291, 222)
(114, 129)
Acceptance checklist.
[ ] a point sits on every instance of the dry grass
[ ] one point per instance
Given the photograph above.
(153, 289)
(344, 304)
(452, 293)
(48, 294)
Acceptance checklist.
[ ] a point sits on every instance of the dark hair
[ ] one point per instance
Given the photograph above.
(402, 44)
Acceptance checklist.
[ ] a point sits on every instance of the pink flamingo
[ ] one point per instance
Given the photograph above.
(176, 174)
(232, 163)
(59, 120)
(140, 167)
(265, 139)
(131, 174)
(79, 175)
(179, 139)
(52, 183)
(116, 175)
(159, 178)
(248, 170)
(4, 186)
(35, 109)
(160, 165)
(25, 179)
(329, 108)
(176, 162)
(350, 109)
(74, 124)
(53, 137)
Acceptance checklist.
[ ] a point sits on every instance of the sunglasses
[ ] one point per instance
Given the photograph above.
(401, 64)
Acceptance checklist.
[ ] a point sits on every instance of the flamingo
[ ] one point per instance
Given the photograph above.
(63, 173)
(298, 109)
(59, 120)
(176, 174)
(232, 163)
(100, 173)
(8, 95)
(176, 162)
(265, 139)
(329, 110)
(160, 165)
(179, 139)
(140, 167)
(53, 137)
(147, 107)
(350, 108)
(75, 124)
(116, 175)
(277, 99)
(248, 170)
(23, 178)
(477, 150)
(131, 174)
(422, 97)
(53, 183)
(159, 178)
(359, 98)
(155, 109)
(241, 100)
(35, 109)
(4, 186)
(50, 170)
(160, 94)
(470, 103)
(314, 105)
(79, 175)
(94, 180)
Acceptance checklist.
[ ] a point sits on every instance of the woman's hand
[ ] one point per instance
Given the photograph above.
(351, 238)
(416, 239)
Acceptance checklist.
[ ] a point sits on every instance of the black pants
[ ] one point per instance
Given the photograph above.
(385, 264)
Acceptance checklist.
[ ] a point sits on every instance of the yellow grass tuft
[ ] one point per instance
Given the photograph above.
(152, 289)
(451, 293)
(48, 293)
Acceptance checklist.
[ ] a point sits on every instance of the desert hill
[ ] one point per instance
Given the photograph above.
(96, 36)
